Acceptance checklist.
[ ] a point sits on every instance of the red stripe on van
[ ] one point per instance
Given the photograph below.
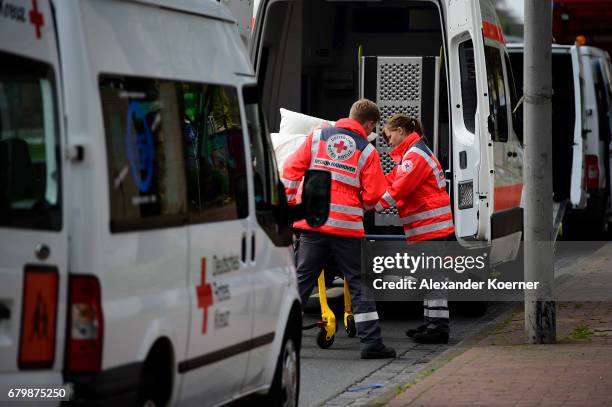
(508, 196)
(493, 32)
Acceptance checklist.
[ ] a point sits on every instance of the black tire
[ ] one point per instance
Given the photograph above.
(322, 339)
(590, 224)
(155, 385)
(285, 388)
(351, 328)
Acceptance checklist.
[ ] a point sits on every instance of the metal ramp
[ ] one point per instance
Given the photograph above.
(401, 84)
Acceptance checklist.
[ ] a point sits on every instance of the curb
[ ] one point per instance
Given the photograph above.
(448, 355)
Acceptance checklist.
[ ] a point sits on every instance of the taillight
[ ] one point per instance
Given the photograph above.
(591, 172)
(38, 317)
(85, 325)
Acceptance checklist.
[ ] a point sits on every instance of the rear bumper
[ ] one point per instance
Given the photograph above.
(115, 386)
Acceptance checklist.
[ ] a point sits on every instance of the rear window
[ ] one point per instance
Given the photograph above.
(469, 97)
(29, 164)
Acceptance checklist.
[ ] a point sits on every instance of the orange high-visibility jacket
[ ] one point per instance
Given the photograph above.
(357, 177)
(418, 189)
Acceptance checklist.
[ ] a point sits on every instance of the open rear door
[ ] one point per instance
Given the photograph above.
(472, 180)
(577, 189)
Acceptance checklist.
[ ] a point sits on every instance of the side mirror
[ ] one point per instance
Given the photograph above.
(316, 196)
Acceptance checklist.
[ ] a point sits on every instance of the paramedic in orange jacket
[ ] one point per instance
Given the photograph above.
(357, 181)
(418, 189)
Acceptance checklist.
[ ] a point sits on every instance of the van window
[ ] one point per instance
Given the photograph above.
(469, 97)
(214, 152)
(145, 153)
(517, 118)
(603, 108)
(268, 199)
(29, 165)
(175, 152)
(498, 103)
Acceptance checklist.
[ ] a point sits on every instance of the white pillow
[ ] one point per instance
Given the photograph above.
(284, 146)
(298, 123)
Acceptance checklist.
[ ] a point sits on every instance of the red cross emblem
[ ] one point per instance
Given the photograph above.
(340, 146)
(205, 296)
(36, 19)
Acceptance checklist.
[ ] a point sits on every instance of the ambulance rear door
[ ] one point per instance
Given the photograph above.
(33, 224)
(472, 152)
(578, 195)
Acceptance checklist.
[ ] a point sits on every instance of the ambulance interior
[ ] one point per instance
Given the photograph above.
(563, 118)
(310, 51)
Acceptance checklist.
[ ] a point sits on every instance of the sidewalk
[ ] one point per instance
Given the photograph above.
(498, 369)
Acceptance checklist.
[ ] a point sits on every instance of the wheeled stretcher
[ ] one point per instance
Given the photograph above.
(328, 326)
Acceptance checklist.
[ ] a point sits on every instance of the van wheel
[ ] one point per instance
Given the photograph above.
(156, 378)
(151, 392)
(286, 384)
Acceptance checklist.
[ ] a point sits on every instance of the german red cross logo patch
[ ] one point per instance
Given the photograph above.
(407, 166)
(341, 147)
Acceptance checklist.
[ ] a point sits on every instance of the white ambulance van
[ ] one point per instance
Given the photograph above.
(144, 235)
(440, 60)
(568, 133)
(598, 135)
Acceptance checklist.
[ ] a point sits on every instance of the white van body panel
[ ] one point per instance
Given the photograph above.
(504, 167)
(593, 145)
(462, 20)
(149, 278)
(577, 192)
(20, 35)
(578, 195)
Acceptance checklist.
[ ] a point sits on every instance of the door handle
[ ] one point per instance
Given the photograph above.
(243, 248)
(253, 247)
(5, 312)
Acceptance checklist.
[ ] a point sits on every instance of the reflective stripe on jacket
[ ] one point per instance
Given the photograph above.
(357, 177)
(418, 189)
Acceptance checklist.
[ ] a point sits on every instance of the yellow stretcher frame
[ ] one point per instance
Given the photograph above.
(327, 332)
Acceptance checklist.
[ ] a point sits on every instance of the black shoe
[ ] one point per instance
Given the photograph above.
(430, 336)
(383, 353)
(419, 329)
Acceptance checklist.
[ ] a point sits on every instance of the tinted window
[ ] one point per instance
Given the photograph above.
(269, 200)
(175, 152)
(468, 84)
(214, 150)
(29, 164)
(498, 103)
(517, 117)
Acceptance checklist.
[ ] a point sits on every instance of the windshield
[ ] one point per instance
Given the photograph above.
(29, 168)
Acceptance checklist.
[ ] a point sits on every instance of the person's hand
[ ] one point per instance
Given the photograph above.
(320, 126)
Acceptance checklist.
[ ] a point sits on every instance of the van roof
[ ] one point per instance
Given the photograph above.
(594, 51)
(555, 47)
(208, 8)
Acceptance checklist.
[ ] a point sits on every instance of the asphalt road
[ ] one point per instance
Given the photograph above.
(330, 376)
(326, 374)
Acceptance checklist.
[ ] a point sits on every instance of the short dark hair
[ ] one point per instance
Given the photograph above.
(365, 110)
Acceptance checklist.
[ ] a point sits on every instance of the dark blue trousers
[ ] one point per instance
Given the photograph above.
(313, 251)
